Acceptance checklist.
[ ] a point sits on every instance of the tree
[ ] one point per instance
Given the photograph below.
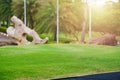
(32, 9)
(5, 11)
(46, 18)
(84, 23)
(70, 18)
(106, 19)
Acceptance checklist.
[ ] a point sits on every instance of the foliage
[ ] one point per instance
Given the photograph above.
(5, 11)
(70, 18)
(3, 29)
(32, 9)
(41, 16)
(46, 17)
(37, 62)
(106, 19)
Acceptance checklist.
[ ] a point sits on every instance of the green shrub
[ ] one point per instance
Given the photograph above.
(29, 38)
(3, 29)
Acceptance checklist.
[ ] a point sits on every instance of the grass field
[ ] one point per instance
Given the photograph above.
(38, 62)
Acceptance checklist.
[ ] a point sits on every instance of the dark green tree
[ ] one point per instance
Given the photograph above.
(5, 11)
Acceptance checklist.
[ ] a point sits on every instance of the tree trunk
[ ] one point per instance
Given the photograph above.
(0, 23)
(84, 25)
(55, 34)
(31, 22)
(76, 38)
(8, 22)
(3, 22)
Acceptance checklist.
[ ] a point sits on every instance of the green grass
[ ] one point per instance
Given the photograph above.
(36, 62)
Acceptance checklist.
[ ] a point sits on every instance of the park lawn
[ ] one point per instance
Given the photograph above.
(38, 62)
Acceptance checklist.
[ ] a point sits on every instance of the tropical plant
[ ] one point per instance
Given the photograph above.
(46, 17)
(70, 19)
(5, 11)
(32, 9)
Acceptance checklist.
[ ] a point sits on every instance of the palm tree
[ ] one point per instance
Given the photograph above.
(5, 11)
(69, 18)
(46, 18)
(32, 9)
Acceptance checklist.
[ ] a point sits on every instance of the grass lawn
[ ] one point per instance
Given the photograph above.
(36, 62)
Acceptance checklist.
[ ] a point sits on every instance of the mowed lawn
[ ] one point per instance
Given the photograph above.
(48, 61)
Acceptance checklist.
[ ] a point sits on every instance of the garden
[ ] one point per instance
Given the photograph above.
(50, 39)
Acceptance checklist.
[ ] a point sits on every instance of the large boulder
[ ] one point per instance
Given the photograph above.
(6, 40)
(20, 31)
(107, 39)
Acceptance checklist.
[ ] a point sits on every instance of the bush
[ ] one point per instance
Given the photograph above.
(29, 38)
(3, 29)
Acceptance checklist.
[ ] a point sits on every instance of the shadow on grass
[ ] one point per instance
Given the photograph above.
(103, 76)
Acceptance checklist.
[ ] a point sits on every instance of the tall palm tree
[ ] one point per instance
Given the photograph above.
(69, 18)
(46, 18)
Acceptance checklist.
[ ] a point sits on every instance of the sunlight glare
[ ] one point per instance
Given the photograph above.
(100, 2)
(115, 1)
(96, 2)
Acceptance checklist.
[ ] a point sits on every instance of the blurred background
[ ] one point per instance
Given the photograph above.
(64, 20)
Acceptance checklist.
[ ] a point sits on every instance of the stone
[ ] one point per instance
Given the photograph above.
(6, 40)
(107, 39)
(20, 31)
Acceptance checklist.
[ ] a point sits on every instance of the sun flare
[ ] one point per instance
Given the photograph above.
(99, 2)
(96, 2)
